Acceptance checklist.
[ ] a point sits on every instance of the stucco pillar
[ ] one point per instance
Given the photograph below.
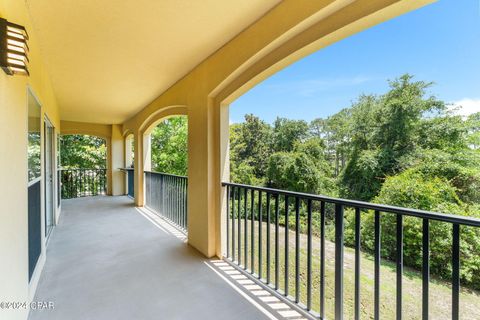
(223, 141)
(138, 169)
(204, 187)
(117, 160)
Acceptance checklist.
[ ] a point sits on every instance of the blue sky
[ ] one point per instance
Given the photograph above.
(439, 43)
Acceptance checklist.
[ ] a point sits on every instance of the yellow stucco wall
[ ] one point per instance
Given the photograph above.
(117, 161)
(14, 285)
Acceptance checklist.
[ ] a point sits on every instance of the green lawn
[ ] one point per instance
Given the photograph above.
(440, 291)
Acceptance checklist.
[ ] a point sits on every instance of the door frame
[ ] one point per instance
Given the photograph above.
(48, 124)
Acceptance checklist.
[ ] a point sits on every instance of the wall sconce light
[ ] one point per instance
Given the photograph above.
(13, 48)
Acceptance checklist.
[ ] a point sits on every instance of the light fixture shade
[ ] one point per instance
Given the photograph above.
(13, 48)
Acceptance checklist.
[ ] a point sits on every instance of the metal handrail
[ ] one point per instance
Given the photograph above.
(166, 194)
(451, 218)
(245, 206)
(78, 182)
(167, 174)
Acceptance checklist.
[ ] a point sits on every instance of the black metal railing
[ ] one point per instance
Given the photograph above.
(83, 182)
(254, 228)
(166, 194)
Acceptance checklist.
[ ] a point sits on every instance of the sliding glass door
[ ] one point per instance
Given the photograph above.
(49, 177)
(34, 183)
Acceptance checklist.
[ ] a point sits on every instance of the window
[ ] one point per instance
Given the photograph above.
(34, 124)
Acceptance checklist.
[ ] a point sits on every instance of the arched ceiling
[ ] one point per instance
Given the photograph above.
(108, 59)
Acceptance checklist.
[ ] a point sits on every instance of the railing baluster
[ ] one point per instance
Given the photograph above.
(175, 200)
(184, 202)
(268, 237)
(228, 221)
(167, 197)
(75, 183)
(297, 249)
(377, 266)
(399, 264)
(179, 203)
(239, 212)
(171, 197)
(233, 223)
(455, 271)
(277, 215)
(357, 262)
(339, 241)
(322, 260)
(162, 180)
(425, 268)
(287, 230)
(252, 230)
(260, 235)
(245, 228)
(309, 254)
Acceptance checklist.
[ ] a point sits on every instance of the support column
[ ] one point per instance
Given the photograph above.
(138, 169)
(223, 138)
(117, 160)
(204, 179)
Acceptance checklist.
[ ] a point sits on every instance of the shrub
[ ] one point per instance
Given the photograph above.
(414, 190)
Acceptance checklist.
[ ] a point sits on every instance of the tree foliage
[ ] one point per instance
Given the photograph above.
(169, 146)
(82, 151)
(403, 148)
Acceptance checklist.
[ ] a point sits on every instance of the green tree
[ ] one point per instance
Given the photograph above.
(249, 149)
(385, 129)
(336, 134)
(286, 133)
(445, 132)
(305, 169)
(473, 127)
(82, 151)
(169, 145)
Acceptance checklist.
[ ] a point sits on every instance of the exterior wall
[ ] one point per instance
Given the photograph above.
(14, 284)
(290, 31)
(100, 130)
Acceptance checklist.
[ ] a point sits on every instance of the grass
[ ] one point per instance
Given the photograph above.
(440, 291)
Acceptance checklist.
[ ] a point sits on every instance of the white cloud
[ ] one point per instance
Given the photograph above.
(465, 107)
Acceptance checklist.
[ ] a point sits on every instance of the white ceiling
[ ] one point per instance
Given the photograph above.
(109, 58)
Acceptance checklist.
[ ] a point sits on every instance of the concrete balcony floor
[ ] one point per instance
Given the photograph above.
(108, 260)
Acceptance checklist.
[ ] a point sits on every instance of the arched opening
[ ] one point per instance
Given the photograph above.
(83, 161)
(165, 168)
(358, 120)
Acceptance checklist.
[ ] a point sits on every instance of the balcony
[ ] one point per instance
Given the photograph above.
(114, 70)
(138, 257)
(108, 259)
